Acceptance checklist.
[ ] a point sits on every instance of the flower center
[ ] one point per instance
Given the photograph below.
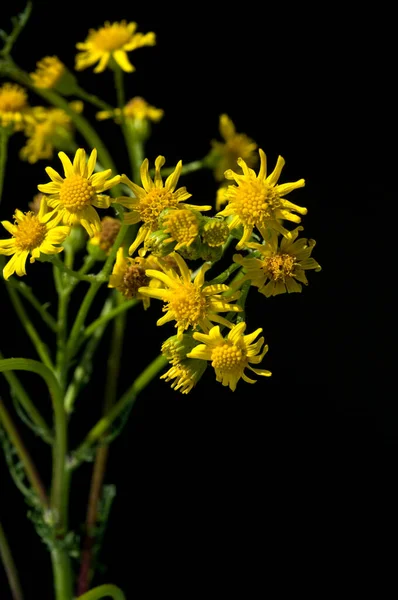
(188, 305)
(154, 202)
(12, 98)
(133, 278)
(111, 38)
(255, 202)
(76, 193)
(280, 266)
(215, 233)
(30, 233)
(108, 234)
(228, 357)
(182, 225)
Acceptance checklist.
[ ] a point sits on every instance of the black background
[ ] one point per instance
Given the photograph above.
(235, 487)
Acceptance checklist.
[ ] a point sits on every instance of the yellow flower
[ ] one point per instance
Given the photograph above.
(214, 232)
(51, 128)
(14, 108)
(257, 201)
(49, 71)
(186, 374)
(76, 196)
(113, 40)
(31, 234)
(230, 356)
(105, 238)
(189, 303)
(280, 266)
(182, 225)
(236, 145)
(154, 197)
(129, 275)
(136, 108)
(221, 198)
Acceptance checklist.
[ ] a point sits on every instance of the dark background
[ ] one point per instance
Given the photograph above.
(238, 485)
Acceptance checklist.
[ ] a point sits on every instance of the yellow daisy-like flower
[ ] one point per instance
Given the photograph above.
(235, 145)
(51, 128)
(129, 274)
(182, 225)
(189, 303)
(257, 201)
(152, 198)
(186, 374)
(14, 108)
(76, 196)
(282, 266)
(31, 234)
(49, 72)
(136, 109)
(113, 40)
(230, 356)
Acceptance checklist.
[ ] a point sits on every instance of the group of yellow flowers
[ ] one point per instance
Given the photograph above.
(251, 209)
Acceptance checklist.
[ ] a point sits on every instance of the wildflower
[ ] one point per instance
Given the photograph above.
(136, 109)
(79, 192)
(105, 238)
(51, 73)
(280, 265)
(186, 374)
(189, 303)
(175, 348)
(182, 226)
(214, 232)
(236, 145)
(129, 275)
(112, 41)
(259, 202)
(31, 234)
(14, 108)
(230, 356)
(51, 128)
(152, 198)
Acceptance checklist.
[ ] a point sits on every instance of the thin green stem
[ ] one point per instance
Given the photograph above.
(24, 456)
(19, 23)
(62, 325)
(191, 167)
(27, 293)
(27, 404)
(29, 328)
(10, 567)
(4, 135)
(57, 262)
(58, 504)
(92, 98)
(103, 319)
(129, 397)
(62, 572)
(107, 590)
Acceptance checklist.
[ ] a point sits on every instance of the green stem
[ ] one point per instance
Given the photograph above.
(26, 291)
(62, 325)
(4, 135)
(27, 404)
(104, 591)
(19, 23)
(58, 486)
(83, 370)
(103, 319)
(91, 293)
(29, 328)
(10, 567)
(195, 165)
(129, 397)
(57, 262)
(62, 572)
(92, 98)
(29, 467)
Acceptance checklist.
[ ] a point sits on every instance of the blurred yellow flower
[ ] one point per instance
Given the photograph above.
(14, 108)
(136, 108)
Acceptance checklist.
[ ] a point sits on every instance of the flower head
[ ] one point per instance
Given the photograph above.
(51, 128)
(31, 234)
(258, 201)
(136, 109)
(129, 274)
(191, 303)
(105, 238)
(113, 40)
(186, 374)
(151, 199)
(51, 73)
(235, 145)
(182, 226)
(282, 266)
(14, 108)
(78, 194)
(230, 356)
(214, 232)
